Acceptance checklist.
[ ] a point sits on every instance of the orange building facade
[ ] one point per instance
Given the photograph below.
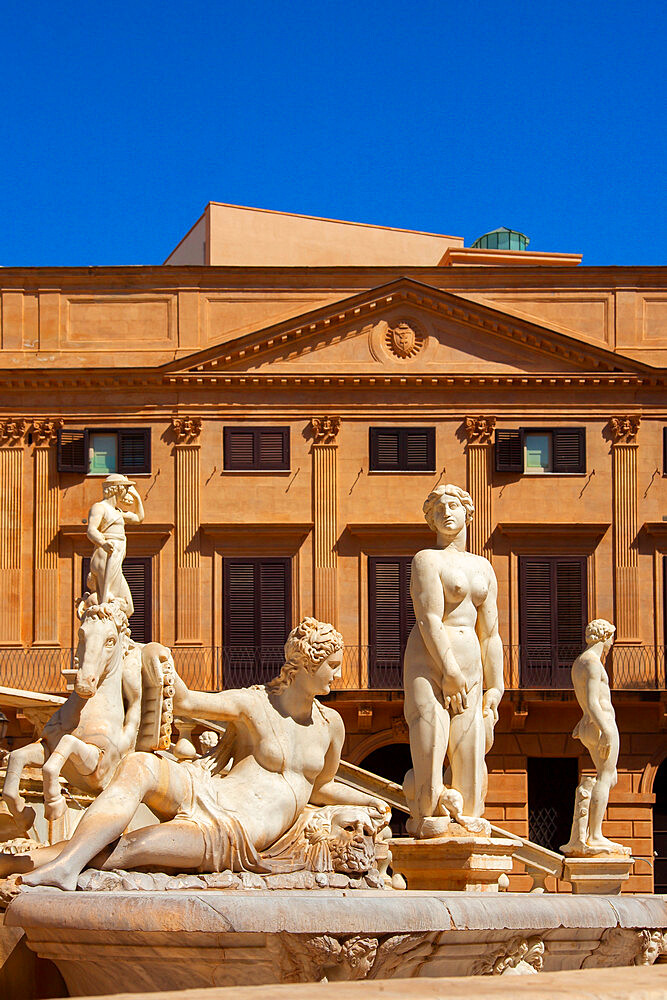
(284, 424)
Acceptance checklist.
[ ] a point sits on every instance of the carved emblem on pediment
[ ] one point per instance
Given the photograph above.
(404, 339)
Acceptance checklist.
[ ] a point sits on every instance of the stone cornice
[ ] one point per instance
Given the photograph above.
(109, 279)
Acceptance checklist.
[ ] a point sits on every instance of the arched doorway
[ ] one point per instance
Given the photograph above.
(660, 828)
(391, 762)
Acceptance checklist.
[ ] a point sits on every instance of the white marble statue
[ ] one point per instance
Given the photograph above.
(453, 673)
(120, 505)
(598, 731)
(86, 737)
(286, 750)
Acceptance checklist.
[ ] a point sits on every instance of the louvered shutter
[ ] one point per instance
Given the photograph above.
(552, 616)
(536, 621)
(257, 614)
(569, 449)
(138, 573)
(509, 451)
(385, 449)
(274, 615)
(419, 450)
(664, 451)
(391, 618)
(134, 451)
(570, 625)
(408, 609)
(239, 448)
(272, 448)
(73, 451)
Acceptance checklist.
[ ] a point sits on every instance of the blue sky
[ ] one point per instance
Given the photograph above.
(120, 121)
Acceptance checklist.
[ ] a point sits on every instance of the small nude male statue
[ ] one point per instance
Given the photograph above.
(598, 731)
(106, 530)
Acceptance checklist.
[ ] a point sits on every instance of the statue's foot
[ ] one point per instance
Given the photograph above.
(56, 874)
(55, 809)
(428, 827)
(601, 844)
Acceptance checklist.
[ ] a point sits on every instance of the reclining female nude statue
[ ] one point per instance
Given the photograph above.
(453, 673)
(286, 750)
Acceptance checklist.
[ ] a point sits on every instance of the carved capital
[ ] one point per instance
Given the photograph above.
(45, 432)
(186, 429)
(479, 430)
(12, 431)
(325, 429)
(624, 429)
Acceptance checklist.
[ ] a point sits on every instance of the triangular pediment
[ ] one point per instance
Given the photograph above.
(404, 328)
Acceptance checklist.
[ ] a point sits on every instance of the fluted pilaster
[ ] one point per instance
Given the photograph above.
(626, 562)
(188, 572)
(479, 452)
(325, 516)
(11, 512)
(45, 532)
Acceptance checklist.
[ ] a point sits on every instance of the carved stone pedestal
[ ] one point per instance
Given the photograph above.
(599, 875)
(468, 864)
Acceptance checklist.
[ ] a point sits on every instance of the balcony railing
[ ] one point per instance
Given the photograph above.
(213, 668)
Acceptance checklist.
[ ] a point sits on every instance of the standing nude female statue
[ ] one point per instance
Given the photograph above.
(286, 750)
(453, 671)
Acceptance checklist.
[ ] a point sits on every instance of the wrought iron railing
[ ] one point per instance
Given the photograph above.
(213, 668)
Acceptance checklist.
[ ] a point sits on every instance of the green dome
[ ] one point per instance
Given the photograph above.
(502, 239)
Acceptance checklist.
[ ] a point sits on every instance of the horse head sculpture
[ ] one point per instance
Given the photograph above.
(103, 641)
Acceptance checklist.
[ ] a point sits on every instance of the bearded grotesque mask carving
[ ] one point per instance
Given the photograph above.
(347, 834)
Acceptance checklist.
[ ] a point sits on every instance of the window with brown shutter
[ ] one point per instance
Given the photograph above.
(402, 449)
(256, 619)
(565, 446)
(390, 618)
(73, 451)
(138, 573)
(256, 449)
(552, 618)
(131, 450)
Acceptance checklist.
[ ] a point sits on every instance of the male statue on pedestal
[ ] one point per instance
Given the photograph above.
(598, 731)
(106, 530)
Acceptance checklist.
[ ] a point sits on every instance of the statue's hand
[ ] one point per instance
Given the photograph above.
(605, 744)
(490, 703)
(109, 547)
(455, 690)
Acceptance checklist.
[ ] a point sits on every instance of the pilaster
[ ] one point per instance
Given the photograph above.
(325, 516)
(45, 533)
(187, 431)
(12, 433)
(623, 431)
(479, 452)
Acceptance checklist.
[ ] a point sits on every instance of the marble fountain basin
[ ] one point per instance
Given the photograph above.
(179, 939)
